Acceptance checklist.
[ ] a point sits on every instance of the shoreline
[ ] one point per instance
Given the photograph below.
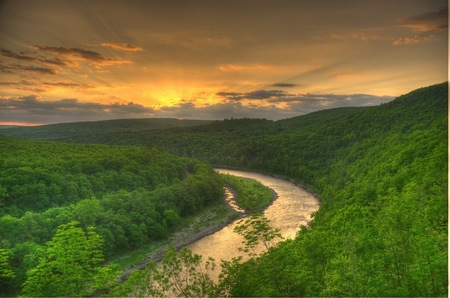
(183, 238)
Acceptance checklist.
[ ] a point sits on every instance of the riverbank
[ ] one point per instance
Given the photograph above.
(211, 234)
(210, 221)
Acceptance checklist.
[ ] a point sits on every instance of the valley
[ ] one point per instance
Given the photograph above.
(381, 174)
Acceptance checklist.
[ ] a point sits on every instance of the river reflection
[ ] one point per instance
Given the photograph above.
(289, 211)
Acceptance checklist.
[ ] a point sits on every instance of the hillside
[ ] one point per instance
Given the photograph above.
(381, 173)
(130, 197)
(381, 229)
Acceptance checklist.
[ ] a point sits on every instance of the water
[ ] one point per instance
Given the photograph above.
(289, 211)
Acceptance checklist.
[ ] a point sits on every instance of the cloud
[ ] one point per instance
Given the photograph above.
(284, 85)
(358, 36)
(303, 103)
(80, 53)
(39, 86)
(423, 26)
(222, 111)
(432, 21)
(243, 68)
(122, 47)
(257, 94)
(33, 110)
(410, 40)
(27, 57)
(275, 105)
(13, 68)
(275, 108)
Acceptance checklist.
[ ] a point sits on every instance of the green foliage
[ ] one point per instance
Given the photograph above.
(256, 229)
(71, 265)
(381, 229)
(133, 196)
(6, 272)
(180, 274)
(251, 196)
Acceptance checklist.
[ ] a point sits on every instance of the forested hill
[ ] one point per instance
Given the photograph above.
(381, 230)
(61, 130)
(133, 196)
(298, 146)
(381, 173)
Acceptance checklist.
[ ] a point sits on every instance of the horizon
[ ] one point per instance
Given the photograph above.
(68, 61)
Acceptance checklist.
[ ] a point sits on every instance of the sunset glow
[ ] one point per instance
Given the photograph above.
(66, 60)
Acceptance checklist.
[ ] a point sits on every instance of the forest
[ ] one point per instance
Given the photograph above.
(381, 173)
(131, 195)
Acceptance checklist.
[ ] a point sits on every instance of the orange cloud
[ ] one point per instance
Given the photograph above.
(243, 68)
(418, 38)
(13, 123)
(122, 47)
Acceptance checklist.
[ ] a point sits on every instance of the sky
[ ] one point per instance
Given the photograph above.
(67, 61)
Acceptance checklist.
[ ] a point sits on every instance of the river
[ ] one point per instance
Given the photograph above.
(292, 208)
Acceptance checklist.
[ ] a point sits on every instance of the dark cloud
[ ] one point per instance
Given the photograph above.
(253, 95)
(264, 94)
(437, 20)
(306, 103)
(222, 111)
(424, 26)
(14, 68)
(27, 57)
(43, 86)
(229, 94)
(298, 104)
(33, 110)
(80, 53)
(18, 56)
(284, 85)
(275, 108)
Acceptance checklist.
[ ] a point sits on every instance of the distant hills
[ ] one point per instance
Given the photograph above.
(62, 130)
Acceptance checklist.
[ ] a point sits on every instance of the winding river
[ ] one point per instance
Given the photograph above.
(292, 208)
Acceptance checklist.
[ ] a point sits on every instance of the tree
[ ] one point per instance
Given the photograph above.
(182, 274)
(6, 274)
(70, 265)
(256, 229)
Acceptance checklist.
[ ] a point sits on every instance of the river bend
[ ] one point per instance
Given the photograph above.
(292, 208)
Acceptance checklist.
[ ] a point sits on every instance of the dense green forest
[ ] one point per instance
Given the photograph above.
(250, 196)
(131, 195)
(381, 173)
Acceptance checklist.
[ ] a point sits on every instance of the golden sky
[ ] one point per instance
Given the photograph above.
(65, 60)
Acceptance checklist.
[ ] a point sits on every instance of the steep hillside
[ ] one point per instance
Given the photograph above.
(381, 229)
